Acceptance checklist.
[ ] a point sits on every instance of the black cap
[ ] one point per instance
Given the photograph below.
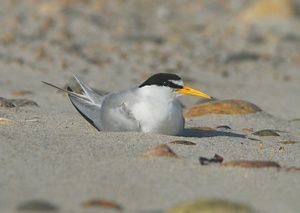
(163, 79)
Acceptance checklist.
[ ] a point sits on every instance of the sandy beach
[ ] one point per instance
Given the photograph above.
(52, 159)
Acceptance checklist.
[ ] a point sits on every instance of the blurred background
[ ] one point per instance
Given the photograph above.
(246, 49)
(230, 49)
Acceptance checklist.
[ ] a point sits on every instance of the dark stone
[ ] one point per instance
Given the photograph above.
(206, 161)
(37, 205)
(9, 103)
(6, 103)
(223, 127)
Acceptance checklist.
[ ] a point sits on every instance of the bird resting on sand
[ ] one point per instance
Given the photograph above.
(153, 106)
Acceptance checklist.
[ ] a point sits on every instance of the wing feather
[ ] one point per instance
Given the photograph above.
(93, 96)
(88, 110)
(67, 91)
(84, 105)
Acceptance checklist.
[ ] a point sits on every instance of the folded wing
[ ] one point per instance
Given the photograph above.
(88, 110)
(87, 104)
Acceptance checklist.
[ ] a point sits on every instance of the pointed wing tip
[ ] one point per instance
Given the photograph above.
(44, 82)
(69, 89)
(51, 85)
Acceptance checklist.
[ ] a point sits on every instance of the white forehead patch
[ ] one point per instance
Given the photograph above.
(177, 82)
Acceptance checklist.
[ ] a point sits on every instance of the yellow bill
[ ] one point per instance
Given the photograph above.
(190, 91)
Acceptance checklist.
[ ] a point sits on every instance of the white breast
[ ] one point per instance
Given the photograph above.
(158, 110)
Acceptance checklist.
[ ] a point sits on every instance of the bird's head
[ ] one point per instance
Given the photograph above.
(174, 83)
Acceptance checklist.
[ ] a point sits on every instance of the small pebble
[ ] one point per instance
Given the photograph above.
(254, 139)
(223, 127)
(6, 103)
(261, 145)
(40, 53)
(183, 142)
(7, 38)
(250, 164)
(266, 9)
(206, 161)
(10, 103)
(161, 150)
(288, 142)
(144, 38)
(266, 132)
(293, 169)
(21, 93)
(210, 206)
(247, 130)
(37, 206)
(5, 121)
(102, 203)
(23, 102)
(225, 74)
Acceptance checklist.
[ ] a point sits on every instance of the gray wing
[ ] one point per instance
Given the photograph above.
(88, 110)
(116, 114)
(87, 104)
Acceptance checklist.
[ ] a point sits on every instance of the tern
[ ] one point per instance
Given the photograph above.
(153, 106)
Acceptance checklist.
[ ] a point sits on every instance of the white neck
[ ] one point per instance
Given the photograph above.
(158, 110)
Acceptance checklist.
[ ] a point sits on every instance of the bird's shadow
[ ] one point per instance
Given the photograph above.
(190, 132)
